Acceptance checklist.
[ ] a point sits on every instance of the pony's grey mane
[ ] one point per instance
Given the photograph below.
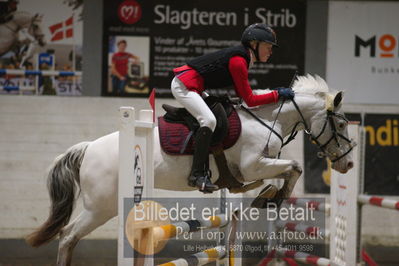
(304, 84)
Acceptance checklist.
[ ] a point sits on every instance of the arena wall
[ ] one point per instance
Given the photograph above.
(34, 130)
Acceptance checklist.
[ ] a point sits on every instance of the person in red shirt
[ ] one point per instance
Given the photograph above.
(119, 66)
(220, 69)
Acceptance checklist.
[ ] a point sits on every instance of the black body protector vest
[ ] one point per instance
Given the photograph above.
(214, 67)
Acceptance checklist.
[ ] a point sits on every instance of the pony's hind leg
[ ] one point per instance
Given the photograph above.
(85, 223)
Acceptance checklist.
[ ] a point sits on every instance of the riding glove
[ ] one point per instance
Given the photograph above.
(286, 93)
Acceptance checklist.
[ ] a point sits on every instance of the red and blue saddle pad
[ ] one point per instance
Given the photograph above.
(172, 135)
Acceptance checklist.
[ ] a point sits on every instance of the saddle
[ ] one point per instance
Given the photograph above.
(177, 128)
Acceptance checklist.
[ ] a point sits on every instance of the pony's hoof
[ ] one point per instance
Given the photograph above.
(267, 203)
(266, 197)
(297, 168)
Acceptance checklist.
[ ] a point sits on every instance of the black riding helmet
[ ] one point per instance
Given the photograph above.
(258, 32)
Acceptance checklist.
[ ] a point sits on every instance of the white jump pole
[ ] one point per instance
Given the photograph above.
(345, 210)
(136, 171)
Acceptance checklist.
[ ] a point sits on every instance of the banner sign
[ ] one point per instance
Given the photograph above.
(145, 40)
(380, 173)
(382, 153)
(363, 50)
(40, 35)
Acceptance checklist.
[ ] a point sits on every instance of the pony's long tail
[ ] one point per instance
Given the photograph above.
(61, 186)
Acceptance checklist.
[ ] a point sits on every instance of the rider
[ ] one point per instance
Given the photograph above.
(7, 7)
(220, 69)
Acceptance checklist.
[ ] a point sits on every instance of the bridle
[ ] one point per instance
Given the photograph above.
(35, 27)
(336, 136)
(333, 156)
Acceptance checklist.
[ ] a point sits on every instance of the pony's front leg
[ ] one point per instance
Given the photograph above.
(267, 168)
(271, 194)
(290, 179)
(253, 169)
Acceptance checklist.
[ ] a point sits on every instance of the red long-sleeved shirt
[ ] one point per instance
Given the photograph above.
(239, 72)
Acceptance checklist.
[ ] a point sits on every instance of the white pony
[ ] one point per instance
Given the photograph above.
(94, 165)
(22, 32)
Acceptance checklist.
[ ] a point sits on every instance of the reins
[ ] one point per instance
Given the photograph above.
(329, 119)
(261, 122)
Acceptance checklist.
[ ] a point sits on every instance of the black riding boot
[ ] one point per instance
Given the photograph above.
(200, 176)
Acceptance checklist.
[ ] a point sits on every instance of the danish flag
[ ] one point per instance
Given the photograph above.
(62, 30)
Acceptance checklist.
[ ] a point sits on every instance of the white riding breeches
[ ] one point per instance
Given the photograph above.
(194, 104)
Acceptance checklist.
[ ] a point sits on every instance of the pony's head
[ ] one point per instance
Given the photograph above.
(35, 29)
(328, 128)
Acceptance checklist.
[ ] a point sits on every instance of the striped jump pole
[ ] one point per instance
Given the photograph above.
(272, 255)
(20, 72)
(165, 232)
(379, 201)
(290, 256)
(200, 258)
(300, 227)
(18, 88)
(303, 257)
(171, 230)
(314, 204)
(36, 73)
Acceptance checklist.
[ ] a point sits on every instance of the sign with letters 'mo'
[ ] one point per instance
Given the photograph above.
(362, 51)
